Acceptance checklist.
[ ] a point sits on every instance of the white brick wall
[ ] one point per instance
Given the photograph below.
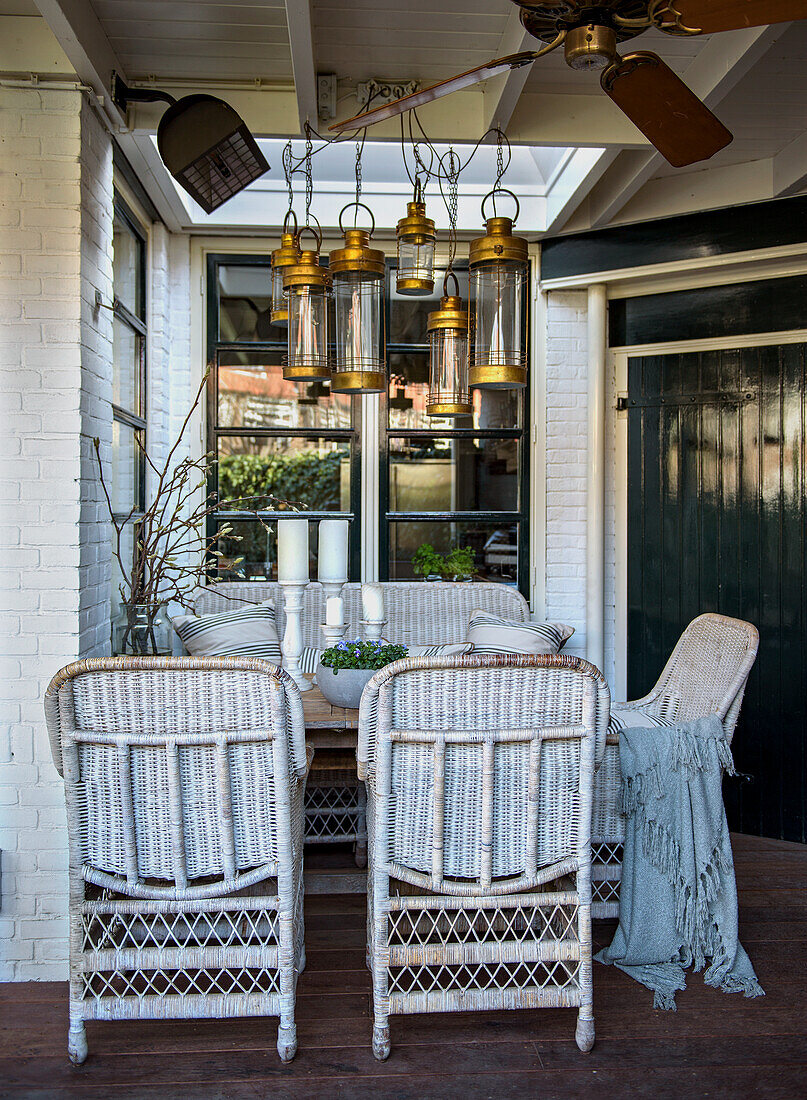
(55, 394)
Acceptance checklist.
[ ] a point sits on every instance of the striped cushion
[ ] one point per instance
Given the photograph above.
(636, 719)
(309, 658)
(251, 632)
(447, 649)
(490, 634)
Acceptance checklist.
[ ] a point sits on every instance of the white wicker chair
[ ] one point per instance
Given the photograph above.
(418, 612)
(184, 781)
(479, 773)
(706, 674)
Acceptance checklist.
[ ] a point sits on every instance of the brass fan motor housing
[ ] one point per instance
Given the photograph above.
(545, 19)
(590, 47)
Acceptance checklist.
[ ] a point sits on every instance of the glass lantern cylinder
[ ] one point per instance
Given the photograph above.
(416, 237)
(307, 286)
(282, 258)
(358, 287)
(448, 360)
(498, 269)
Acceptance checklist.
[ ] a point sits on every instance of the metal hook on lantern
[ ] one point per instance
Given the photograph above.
(492, 195)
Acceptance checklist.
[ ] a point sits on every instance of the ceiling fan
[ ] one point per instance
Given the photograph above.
(671, 117)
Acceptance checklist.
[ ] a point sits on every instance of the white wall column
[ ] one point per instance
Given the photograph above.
(595, 475)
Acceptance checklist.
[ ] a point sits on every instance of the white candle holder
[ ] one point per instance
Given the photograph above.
(372, 628)
(292, 644)
(332, 634)
(332, 588)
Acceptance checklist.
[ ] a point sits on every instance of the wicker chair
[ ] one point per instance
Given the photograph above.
(418, 612)
(706, 674)
(184, 781)
(479, 773)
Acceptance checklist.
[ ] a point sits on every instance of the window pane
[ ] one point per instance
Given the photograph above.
(126, 469)
(313, 472)
(126, 367)
(127, 266)
(454, 475)
(245, 301)
(495, 546)
(409, 315)
(256, 543)
(254, 394)
(409, 387)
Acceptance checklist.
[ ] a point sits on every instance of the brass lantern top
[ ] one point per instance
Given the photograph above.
(289, 251)
(356, 256)
(307, 271)
(416, 227)
(498, 245)
(449, 315)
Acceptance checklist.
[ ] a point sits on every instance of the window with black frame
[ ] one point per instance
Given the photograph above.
(449, 482)
(293, 441)
(127, 489)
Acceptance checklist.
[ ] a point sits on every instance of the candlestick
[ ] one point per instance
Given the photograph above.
(332, 632)
(372, 602)
(292, 551)
(332, 551)
(292, 645)
(371, 629)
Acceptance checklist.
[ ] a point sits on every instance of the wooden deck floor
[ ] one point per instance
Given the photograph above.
(714, 1046)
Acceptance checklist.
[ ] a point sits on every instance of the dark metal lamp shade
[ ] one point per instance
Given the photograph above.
(207, 148)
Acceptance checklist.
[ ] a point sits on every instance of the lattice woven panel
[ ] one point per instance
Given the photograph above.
(120, 984)
(331, 814)
(236, 928)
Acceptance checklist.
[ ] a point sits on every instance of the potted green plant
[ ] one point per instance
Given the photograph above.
(427, 563)
(345, 668)
(460, 563)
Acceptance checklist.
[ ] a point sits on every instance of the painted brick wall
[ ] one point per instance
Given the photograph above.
(55, 394)
(566, 447)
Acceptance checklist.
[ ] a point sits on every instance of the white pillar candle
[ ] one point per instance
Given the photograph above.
(332, 565)
(372, 602)
(292, 551)
(334, 611)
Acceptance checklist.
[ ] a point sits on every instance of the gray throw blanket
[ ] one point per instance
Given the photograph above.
(678, 897)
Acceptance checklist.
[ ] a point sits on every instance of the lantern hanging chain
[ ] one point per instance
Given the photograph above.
(309, 178)
(451, 169)
(288, 171)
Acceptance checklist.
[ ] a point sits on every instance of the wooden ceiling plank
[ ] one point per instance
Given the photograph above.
(301, 43)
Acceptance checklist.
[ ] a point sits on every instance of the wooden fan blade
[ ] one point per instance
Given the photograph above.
(681, 127)
(709, 16)
(435, 91)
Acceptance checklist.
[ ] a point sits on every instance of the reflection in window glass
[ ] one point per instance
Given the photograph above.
(409, 387)
(126, 367)
(245, 302)
(254, 394)
(310, 472)
(409, 316)
(495, 546)
(126, 467)
(453, 475)
(127, 269)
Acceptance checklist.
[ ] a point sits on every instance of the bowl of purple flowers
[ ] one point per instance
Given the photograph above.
(345, 668)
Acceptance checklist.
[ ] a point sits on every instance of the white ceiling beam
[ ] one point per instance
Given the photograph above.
(790, 168)
(503, 93)
(580, 173)
(711, 75)
(81, 36)
(301, 42)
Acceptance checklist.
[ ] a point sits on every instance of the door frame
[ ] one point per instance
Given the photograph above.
(618, 368)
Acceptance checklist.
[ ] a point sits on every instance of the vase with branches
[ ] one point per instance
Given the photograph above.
(172, 551)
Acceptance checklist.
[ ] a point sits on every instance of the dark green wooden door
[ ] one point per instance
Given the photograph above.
(716, 522)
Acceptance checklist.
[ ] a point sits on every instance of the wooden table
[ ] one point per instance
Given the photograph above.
(336, 803)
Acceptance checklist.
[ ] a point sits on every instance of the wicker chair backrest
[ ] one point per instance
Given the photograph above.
(707, 671)
(418, 612)
(488, 765)
(176, 769)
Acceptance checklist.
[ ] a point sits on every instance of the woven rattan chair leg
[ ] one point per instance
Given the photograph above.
(360, 854)
(287, 1040)
(77, 1042)
(584, 1035)
(301, 961)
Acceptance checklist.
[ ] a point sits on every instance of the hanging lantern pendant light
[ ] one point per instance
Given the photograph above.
(307, 286)
(286, 256)
(416, 237)
(358, 287)
(498, 267)
(448, 356)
